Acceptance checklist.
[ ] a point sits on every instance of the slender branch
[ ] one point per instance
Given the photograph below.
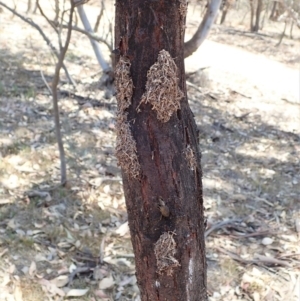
(47, 40)
(104, 65)
(91, 35)
(56, 10)
(45, 82)
(52, 23)
(220, 225)
(64, 48)
(99, 17)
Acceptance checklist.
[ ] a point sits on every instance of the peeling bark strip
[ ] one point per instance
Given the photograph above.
(166, 197)
(162, 90)
(126, 151)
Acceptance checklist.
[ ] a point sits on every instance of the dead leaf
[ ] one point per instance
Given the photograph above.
(239, 197)
(25, 270)
(107, 282)
(123, 229)
(3, 252)
(72, 268)
(256, 296)
(99, 273)
(6, 280)
(5, 201)
(52, 288)
(100, 294)
(11, 269)
(12, 182)
(42, 194)
(18, 293)
(77, 292)
(267, 241)
(60, 281)
(37, 225)
(32, 269)
(12, 224)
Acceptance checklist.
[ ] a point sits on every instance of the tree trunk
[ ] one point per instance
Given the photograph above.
(200, 35)
(87, 26)
(257, 16)
(224, 14)
(273, 12)
(283, 33)
(157, 149)
(251, 15)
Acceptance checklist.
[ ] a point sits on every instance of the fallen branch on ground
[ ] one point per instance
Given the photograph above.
(261, 260)
(220, 225)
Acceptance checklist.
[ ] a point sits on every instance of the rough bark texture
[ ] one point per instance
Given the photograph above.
(168, 156)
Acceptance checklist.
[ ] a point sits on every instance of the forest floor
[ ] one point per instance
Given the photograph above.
(74, 242)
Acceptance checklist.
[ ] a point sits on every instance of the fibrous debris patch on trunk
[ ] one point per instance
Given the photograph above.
(183, 7)
(165, 249)
(162, 90)
(126, 151)
(190, 157)
(124, 84)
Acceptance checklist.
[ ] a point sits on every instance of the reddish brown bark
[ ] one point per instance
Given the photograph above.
(168, 155)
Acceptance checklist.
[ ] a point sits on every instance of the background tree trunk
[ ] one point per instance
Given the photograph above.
(257, 15)
(224, 14)
(161, 163)
(87, 26)
(251, 2)
(200, 35)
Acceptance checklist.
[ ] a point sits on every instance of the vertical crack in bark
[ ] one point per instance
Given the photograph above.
(162, 90)
(126, 151)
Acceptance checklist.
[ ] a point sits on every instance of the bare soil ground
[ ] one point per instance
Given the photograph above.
(73, 242)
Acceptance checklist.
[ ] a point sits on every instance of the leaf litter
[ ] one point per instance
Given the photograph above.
(74, 242)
